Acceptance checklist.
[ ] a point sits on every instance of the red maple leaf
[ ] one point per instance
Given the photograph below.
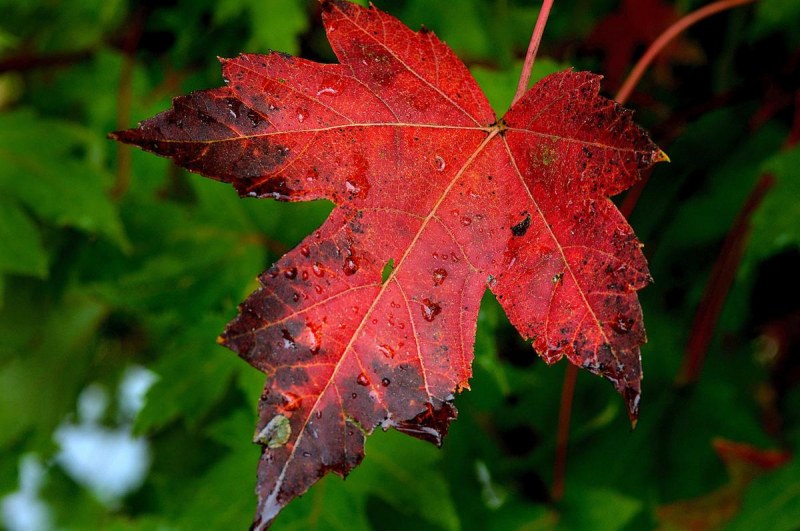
(425, 177)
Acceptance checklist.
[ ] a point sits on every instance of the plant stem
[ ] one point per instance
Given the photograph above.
(533, 47)
(562, 436)
(670, 33)
(719, 284)
(125, 104)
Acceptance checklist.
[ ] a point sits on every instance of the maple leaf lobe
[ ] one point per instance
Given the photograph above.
(423, 176)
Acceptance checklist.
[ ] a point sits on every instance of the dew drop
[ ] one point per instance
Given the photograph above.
(439, 275)
(350, 266)
(254, 118)
(318, 288)
(300, 117)
(317, 269)
(315, 341)
(466, 221)
(354, 396)
(306, 454)
(326, 90)
(232, 110)
(318, 414)
(291, 401)
(352, 188)
(385, 382)
(273, 271)
(387, 351)
(305, 275)
(296, 297)
(304, 251)
(621, 324)
(430, 310)
(290, 273)
(362, 379)
(440, 163)
(288, 340)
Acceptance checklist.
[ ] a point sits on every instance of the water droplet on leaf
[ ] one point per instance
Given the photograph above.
(386, 350)
(362, 379)
(430, 310)
(291, 401)
(621, 324)
(439, 275)
(288, 340)
(350, 266)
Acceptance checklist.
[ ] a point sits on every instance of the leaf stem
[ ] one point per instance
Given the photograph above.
(533, 47)
(670, 33)
(125, 104)
(562, 436)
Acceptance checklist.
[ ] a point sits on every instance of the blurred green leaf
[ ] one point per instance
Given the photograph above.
(777, 16)
(775, 224)
(38, 168)
(402, 472)
(275, 25)
(772, 501)
(21, 249)
(587, 507)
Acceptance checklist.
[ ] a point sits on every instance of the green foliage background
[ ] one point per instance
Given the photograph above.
(111, 258)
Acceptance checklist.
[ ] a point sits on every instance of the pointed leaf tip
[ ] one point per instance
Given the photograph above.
(632, 396)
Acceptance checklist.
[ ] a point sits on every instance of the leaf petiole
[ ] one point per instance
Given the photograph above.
(533, 47)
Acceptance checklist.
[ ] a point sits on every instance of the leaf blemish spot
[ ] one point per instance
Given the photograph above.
(276, 433)
(522, 227)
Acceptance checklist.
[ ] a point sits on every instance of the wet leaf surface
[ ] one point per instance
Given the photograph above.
(370, 321)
